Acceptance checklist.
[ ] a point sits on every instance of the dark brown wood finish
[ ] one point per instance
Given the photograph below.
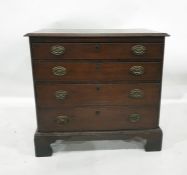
(130, 39)
(97, 94)
(73, 33)
(98, 84)
(43, 140)
(96, 71)
(91, 51)
(97, 118)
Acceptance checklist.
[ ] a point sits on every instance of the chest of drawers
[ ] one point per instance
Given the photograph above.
(97, 85)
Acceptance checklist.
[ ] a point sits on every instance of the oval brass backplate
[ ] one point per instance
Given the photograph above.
(61, 94)
(134, 117)
(138, 49)
(137, 70)
(59, 70)
(57, 50)
(62, 119)
(136, 93)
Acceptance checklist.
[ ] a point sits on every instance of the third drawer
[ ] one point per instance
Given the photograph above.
(59, 95)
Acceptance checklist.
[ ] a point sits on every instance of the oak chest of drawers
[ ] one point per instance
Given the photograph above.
(96, 85)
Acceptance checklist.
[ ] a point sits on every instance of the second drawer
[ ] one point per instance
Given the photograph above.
(112, 71)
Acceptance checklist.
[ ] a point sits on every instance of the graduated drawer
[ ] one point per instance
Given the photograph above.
(97, 118)
(59, 95)
(107, 71)
(96, 50)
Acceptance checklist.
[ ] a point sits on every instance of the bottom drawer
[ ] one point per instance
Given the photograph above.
(97, 118)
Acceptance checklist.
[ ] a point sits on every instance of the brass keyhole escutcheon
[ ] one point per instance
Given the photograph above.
(98, 87)
(97, 47)
(97, 112)
(98, 66)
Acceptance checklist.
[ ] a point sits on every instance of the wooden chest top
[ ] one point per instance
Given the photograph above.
(96, 33)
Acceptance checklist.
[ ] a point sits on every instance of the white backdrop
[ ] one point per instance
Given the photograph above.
(17, 113)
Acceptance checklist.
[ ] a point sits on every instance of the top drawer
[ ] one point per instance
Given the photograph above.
(97, 50)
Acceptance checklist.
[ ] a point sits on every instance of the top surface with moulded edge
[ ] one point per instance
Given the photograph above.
(96, 33)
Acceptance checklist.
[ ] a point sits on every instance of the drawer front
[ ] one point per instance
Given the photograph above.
(118, 71)
(60, 95)
(97, 50)
(97, 118)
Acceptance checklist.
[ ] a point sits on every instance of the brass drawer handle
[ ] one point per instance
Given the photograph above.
(59, 70)
(60, 94)
(62, 119)
(136, 93)
(137, 70)
(138, 49)
(134, 118)
(57, 50)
